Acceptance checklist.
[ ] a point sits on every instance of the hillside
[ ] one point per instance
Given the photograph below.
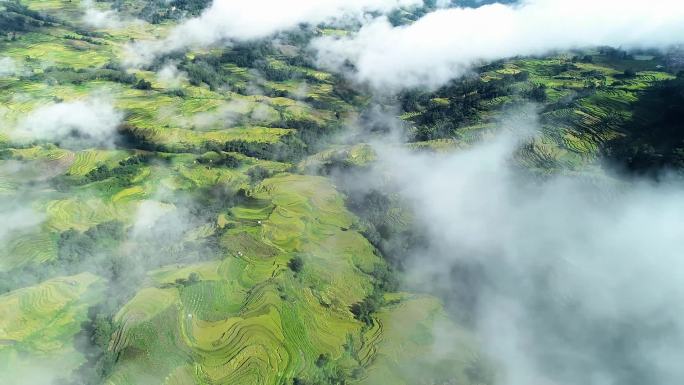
(196, 221)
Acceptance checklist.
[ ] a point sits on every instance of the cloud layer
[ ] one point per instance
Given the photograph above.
(568, 281)
(448, 42)
(247, 20)
(82, 123)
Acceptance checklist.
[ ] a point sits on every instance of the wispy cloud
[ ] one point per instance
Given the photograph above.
(570, 280)
(90, 122)
(104, 19)
(247, 20)
(171, 76)
(9, 67)
(447, 43)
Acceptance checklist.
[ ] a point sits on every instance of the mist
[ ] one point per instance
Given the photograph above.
(17, 219)
(9, 67)
(448, 43)
(105, 19)
(224, 21)
(92, 122)
(169, 75)
(566, 280)
(171, 227)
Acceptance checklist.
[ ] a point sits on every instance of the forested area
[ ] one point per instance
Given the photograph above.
(16, 17)
(158, 11)
(653, 139)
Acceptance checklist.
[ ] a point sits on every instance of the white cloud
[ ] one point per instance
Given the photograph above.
(17, 219)
(569, 280)
(149, 213)
(235, 112)
(255, 19)
(80, 123)
(448, 42)
(105, 19)
(9, 67)
(263, 113)
(171, 76)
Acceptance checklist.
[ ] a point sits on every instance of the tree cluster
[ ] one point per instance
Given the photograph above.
(68, 75)
(123, 173)
(653, 139)
(439, 114)
(16, 17)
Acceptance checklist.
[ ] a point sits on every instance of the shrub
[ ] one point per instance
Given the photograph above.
(193, 278)
(363, 311)
(296, 264)
(257, 174)
(537, 93)
(322, 360)
(629, 73)
(178, 92)
(143, 84)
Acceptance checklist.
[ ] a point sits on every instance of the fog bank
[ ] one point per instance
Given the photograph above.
(447, 43)
(567, 281)
(248, 20)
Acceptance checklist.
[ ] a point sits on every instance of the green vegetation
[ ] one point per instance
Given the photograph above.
(205, 247)
(16, 17)
(653, 139)
(589, 102)
(44, 320)
(158, 11)
(219, 266)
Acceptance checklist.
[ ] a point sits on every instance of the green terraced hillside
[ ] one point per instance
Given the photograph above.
(202, 238)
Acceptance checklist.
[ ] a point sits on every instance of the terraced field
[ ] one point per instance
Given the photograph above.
(583, 108)
(404, 337)
(218, 301)
(249, 318)
(206, 243)
(38, 325)
(28, 248)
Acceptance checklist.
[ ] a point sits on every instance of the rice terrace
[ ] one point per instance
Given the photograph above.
(331, 192)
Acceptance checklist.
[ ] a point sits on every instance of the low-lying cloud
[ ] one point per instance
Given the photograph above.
(104, 19)
(567, 281)
(9, 67)
(447, 43)
(170, 76)
(16, 219)
(231, 114)
(248, 20)
(91, 122)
